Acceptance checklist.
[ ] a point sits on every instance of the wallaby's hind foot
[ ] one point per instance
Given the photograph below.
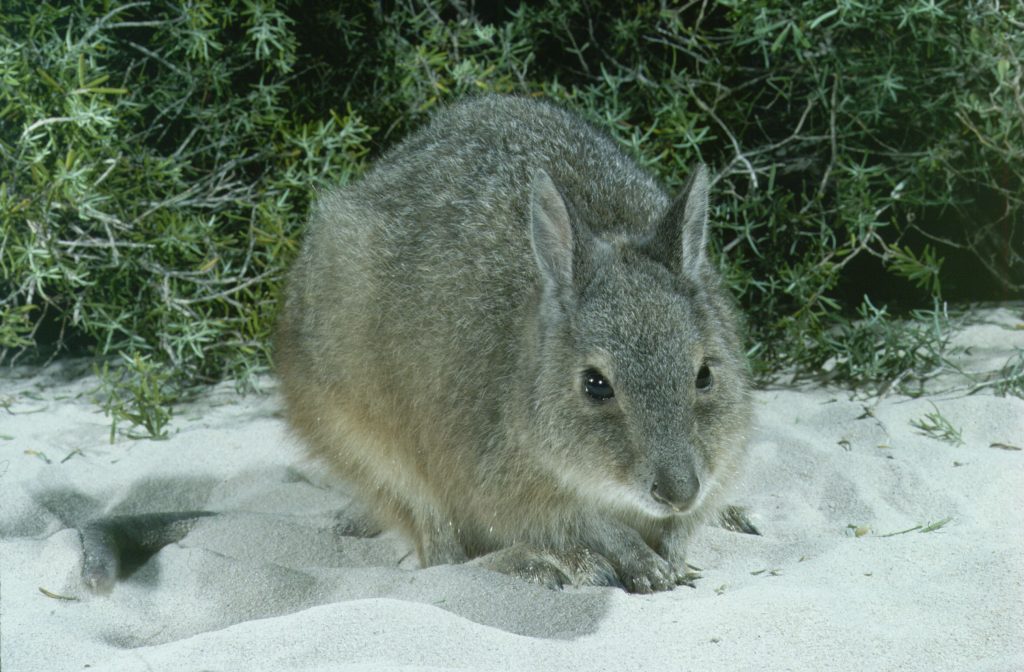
(355, 520)
(552, 569)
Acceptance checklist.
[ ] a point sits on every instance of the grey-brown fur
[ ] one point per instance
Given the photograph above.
(438, 323)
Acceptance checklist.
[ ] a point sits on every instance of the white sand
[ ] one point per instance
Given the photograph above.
(269, 588)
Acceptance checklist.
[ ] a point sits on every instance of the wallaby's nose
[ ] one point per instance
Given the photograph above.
(679, 496)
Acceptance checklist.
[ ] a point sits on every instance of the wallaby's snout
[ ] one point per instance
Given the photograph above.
(680, 494)
(675, 480)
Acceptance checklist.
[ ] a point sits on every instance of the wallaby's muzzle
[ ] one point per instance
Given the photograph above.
(680, 491)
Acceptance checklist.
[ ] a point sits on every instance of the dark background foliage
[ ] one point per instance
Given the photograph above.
(157, 159)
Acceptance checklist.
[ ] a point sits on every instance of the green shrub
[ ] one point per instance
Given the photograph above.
(156, 168)
(157, 158)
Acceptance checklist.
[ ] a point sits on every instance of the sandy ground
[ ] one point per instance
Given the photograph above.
(269, 586)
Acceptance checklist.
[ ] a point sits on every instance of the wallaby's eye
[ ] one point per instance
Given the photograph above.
(597, 386)
(704, 378)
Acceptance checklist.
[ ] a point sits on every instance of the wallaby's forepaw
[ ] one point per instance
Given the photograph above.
(526, 563)
(552, 569)
(736, 519)
(644, 571)
(356, 521)
(590, 568)
(635, 570)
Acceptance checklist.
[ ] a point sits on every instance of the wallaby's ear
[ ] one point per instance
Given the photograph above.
(680, 238)
(695, 221)
(550, 231)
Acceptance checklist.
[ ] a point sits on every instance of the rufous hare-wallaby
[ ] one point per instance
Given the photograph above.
(510, 341)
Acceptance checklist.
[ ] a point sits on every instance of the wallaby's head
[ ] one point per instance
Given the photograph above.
(641, 388)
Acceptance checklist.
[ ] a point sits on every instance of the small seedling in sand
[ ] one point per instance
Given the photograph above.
(930, 527)
(139, 392)
(938, 427)
(858, 530)
(74, 452)
(7, 402)
(863, 530)
(767, 572)
(36, 453)
(1009, 380)
(55, 596)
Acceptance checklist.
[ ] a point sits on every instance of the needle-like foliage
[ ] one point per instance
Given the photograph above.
(157, 158)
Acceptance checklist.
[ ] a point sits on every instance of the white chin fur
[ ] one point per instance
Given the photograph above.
(619, 497)
(632, 500)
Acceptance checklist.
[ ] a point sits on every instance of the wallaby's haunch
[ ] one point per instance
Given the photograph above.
(511, 342)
